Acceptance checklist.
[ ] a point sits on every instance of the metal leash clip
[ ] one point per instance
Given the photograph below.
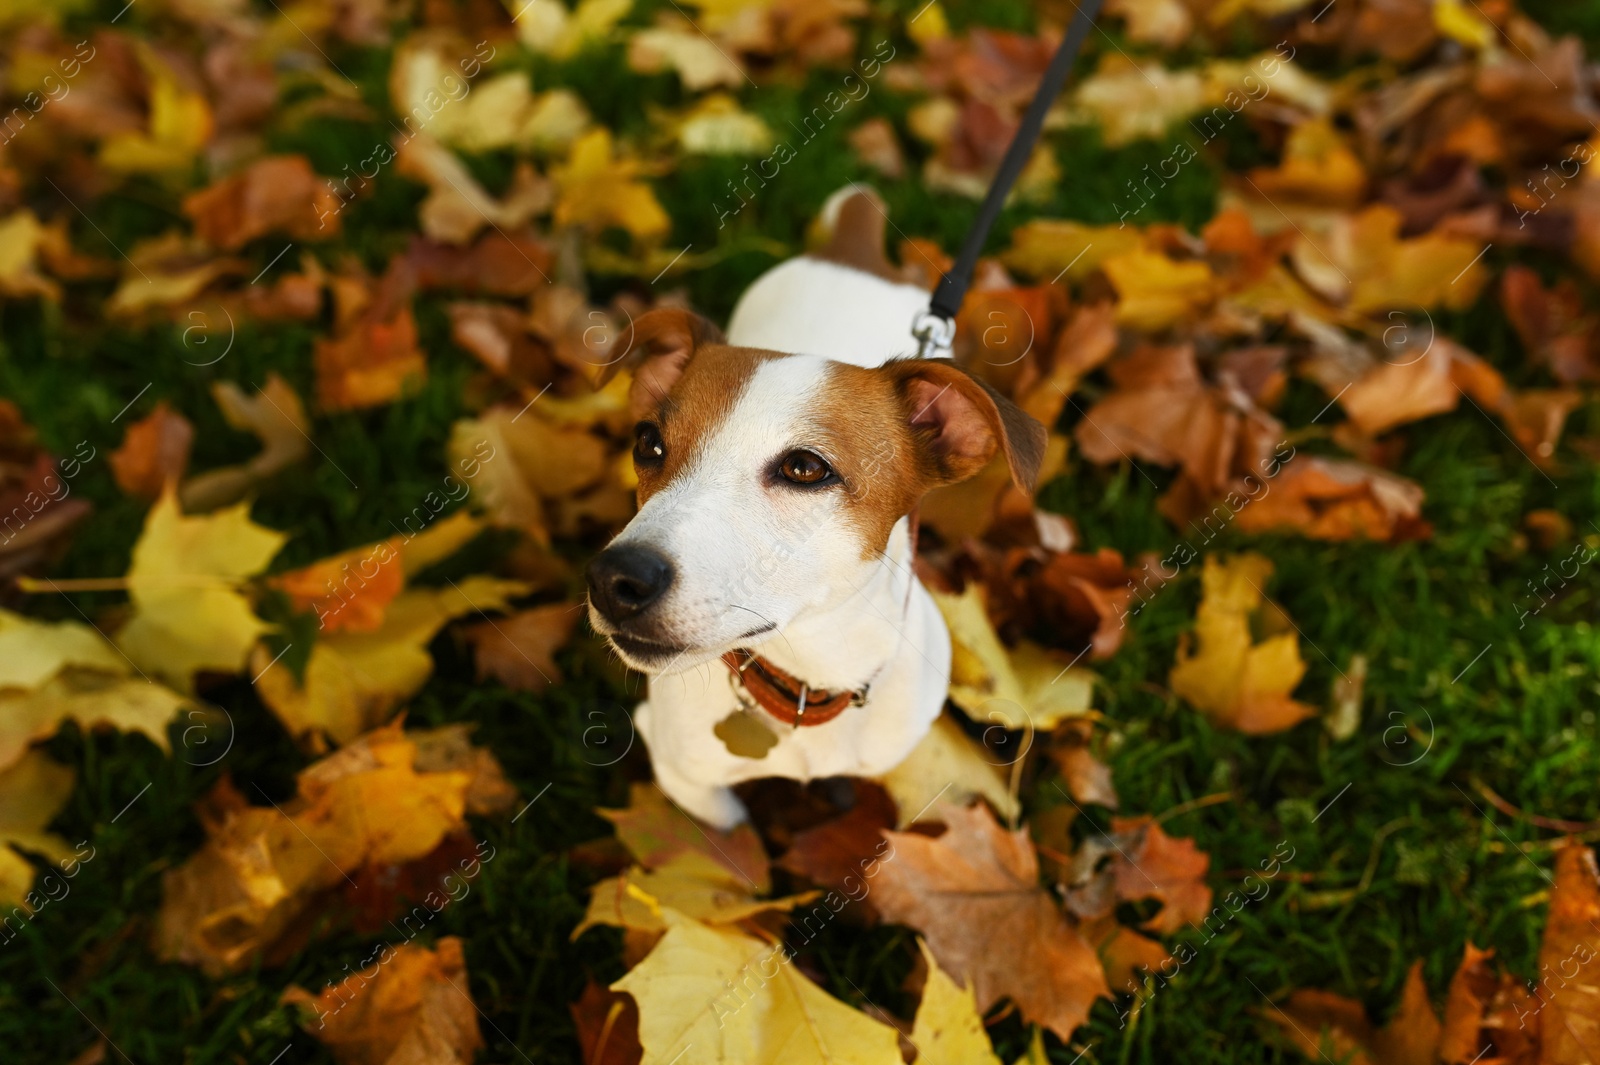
(934, 334)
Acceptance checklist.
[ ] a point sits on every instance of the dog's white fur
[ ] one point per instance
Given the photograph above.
(749, 559)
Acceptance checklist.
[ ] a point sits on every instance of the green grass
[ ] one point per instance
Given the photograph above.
(1404, 864)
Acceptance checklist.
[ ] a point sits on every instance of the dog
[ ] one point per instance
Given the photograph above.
(766, 584)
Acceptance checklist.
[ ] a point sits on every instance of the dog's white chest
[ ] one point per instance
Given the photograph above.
(694, 766)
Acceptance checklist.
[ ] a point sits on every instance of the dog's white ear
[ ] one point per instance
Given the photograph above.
(662, 342)
(960, 422)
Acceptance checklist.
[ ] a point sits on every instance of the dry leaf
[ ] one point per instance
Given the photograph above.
(275, 194)
(740, 1001)
(355, 680)
(375, 361)
(599, 188)
(261, 867)
(1149, 864)
(154, 453)
(608, 1026)
(188, 612)
(1328, 499)
(974, 895)
(52, 672)
(948, 1029)
(655, 831)
(32, 791)
(843, 853)
(413, 1007)
(457, 206)
(688, 883)
(277, 418)
(945, 764)
(1235, 681)
(519, 650)
(1027, 687)
(1318, 1023)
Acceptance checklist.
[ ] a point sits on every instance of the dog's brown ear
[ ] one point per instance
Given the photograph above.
(961, 422)
(660, 346)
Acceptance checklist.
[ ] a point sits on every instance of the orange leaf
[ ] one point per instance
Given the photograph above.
(154, 453)
(974, 895)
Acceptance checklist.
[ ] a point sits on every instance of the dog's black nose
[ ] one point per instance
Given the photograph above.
(625, 579)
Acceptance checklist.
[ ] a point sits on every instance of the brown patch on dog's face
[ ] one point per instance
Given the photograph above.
(861, 429)
(699, 401)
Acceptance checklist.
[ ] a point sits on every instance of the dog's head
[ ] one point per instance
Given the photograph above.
(769, 484)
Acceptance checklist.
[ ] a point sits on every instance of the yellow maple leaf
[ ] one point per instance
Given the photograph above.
(1318, 165)
(1048, 247)
(600, 188)
(948, 1029)
(354, 680)
(739, 1000)
(188, 612)
(1155, 292)
(51, 672)
(946, 764)
(691, 884)
(32, 792)
(378, 801)
(1367, 266)
(22, 238)
(1023, 687)
(1235, 681)
(180, 126)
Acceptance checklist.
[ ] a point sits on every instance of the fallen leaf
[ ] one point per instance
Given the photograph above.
(876, 145)
(262, 868)
(946, 764)
(275, 194)
(688, 883)
(974, 895)
(354, 680)
(517, 483)
(344, 601)
(51, 672)
(154, 453)
(33, 790)
(519, 651)
(374, 362)
(679, 46)
(188, 612)
(413, 1007)
(1555, 328)
(608, 1026)
(1365, 265)
(656, 831)
(843, 853)
(1149, 864)
(740, 1001)
(600, 188)
(948, 1029)
(179, 126)
(1022, 688)
(277, 418)
(36, 508)
(1570, 1021)
(1330, 499)
(1342, 1029)
(1235, 681)
(458, 207)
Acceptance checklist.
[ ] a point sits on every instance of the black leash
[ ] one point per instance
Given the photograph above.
(935, 328)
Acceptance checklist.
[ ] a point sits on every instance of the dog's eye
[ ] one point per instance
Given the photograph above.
(648, 449)
(804, 467)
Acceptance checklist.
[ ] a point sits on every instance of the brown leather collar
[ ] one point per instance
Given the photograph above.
(785, 696)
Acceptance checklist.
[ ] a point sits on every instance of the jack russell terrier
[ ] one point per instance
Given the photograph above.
(767, 577)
